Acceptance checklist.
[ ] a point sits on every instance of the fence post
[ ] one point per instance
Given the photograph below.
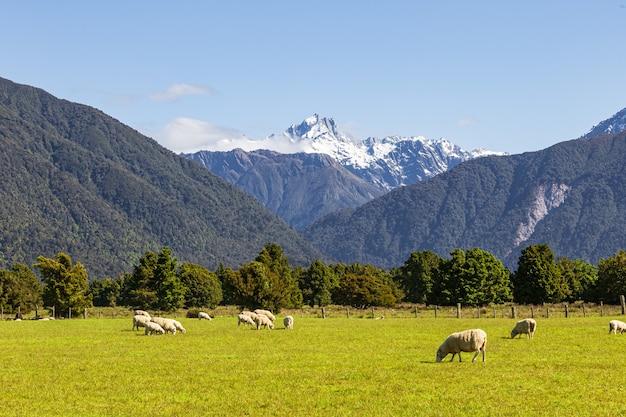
(373, 313)
(323, 312)
(547, 312)
(69, 312)
(478, 309)
(512, 312)
(348, 312)
(494, 312)
(532, 312)
(566, 310)
(436, 308)
(458, 310)
(584, 311)
(601, 309)
(415, 311)
(621, 301)
(85, 313)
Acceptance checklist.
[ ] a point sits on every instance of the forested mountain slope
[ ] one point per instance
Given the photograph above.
(75, 180)
(571, 196)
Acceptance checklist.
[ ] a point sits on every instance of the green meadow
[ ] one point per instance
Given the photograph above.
(336, 366)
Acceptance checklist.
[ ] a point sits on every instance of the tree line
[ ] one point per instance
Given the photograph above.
(161, 282)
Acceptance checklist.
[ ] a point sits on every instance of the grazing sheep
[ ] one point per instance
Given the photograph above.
(142, 313)
(527, 326)
(288, 322)
(179, 326)
(152, 327)
(203, 315)
(617, 326)
(474, 340)
(245, 319)
(167, 324)
(139, 321)
(266, 313)
(249, 314)
(262, 320)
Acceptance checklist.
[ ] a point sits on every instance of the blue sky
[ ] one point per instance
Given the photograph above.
(506, 76)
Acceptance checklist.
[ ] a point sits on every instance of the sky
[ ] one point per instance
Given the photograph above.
(501, 75)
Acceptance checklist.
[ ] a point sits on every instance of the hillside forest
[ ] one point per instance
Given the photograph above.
(160, 282)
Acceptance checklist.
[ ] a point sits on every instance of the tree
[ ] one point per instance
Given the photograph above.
(363, 286)
(272, 256)
(317, 284)
(612, 278)
(105, 292)
(256, 286)
(482, 279)
(203, 288)
(20, 289)
(65, 285)
(168, 287)
(581, 278)
(137, 288)
(418, 274)
(538, 278)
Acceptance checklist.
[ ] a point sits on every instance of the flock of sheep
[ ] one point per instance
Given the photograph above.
(159, 325)
(475, 340)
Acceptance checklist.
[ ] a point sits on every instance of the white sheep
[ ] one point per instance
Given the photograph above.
(474, 340)
(617, 326)
(266, 313)
(262, 320)
(203, 315)
(249, 314)
(152, 327)
(179, 326)
(139, 321)
(142, 313)
(288, 322)
(526, 326)
(167, 324)
(245, 319)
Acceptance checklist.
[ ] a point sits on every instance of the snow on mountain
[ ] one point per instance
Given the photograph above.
(612, 125)
(386, 162)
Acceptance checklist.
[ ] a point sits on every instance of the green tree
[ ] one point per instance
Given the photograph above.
(168, 287)
(272, 256)
(612, 278)
(257, 286)
(318, 283)
(362, 291)
(581, 278)
(228, 280)
(137, 288)
(203, 286)
(65, 285)
(105, 292)
(538, 278)
(418, 275)
(482, 279)
(20, 289)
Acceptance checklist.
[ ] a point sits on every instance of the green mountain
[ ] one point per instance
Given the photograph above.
(75, 180)
(571, 196)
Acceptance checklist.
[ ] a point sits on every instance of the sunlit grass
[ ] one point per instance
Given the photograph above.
(336, 367)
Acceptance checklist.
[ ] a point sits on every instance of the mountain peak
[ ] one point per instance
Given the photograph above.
(313, 127)
(613, 125)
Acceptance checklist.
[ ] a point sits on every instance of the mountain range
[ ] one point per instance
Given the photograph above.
(300, 190)
(77, 181)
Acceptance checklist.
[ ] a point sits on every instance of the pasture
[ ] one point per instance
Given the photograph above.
(323, 367)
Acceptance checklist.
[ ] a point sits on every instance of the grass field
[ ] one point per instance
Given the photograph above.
(323, 367)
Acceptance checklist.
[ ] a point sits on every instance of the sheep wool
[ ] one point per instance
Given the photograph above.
(266, 313)
(142, 313)
(617, 326)
(526, 326)
(167, 324)
(245, 319)
(288, 322)
(139, 321)
(152, 328)
(203, 315)
(474, 340)
(249, 314)
(263, 321)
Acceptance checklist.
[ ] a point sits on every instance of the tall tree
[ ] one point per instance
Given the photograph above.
(483, 279)
(612, 277)
(169, 289)
(581, 277)
(317, 284)
(203, 288)
(257, 286)
(105, 292)
(538, 278)
(272, 256)
(418, 275)
(19, 289)
(65, 285)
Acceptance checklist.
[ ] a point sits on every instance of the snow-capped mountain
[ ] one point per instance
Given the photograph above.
(612, 125)
(388, 162)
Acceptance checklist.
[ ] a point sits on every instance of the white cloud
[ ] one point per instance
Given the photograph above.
(188, 135)
(177, 91)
